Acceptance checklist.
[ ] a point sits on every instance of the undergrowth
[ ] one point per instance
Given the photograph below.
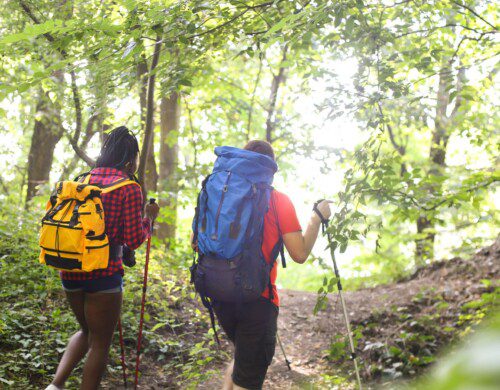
(404, 341)
(36, 323)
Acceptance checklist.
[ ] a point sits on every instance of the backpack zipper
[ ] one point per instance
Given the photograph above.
(89, 248)
(224, 190)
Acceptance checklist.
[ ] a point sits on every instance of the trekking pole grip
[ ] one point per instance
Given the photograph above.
(324, 221)
(152, 201)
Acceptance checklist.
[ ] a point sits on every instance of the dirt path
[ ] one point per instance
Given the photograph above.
(306, 336)
(437, 292)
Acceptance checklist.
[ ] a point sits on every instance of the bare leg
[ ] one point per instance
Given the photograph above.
(228, 380)
(78, 344)
(102, 311)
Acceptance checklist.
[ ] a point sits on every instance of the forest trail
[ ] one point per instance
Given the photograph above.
(306, 336)
(429, 303)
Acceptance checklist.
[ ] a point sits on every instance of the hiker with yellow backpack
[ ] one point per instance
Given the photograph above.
(89, 225)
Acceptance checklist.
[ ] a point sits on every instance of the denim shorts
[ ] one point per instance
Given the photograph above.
(107, 284)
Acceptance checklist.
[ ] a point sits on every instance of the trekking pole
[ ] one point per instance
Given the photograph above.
(288, 362)
(143, 303)
(122, 353)
(324, 223)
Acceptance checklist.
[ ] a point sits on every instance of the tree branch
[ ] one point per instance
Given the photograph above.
(74, 89)
(474, 13)
(89, 133)
(459, 99)
(252, 101)
(78, 107)
(399, 148)
(4, 186)
(80, 152)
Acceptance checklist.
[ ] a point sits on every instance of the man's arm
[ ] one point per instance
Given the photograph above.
(299, 245)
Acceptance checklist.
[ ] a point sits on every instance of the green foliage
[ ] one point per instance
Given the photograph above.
(33, 325)
(423, 88)
(36, 323)
(406, 340)
(474, 312)
(459, 369)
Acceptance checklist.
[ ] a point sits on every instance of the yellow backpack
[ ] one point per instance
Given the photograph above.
(73, 236)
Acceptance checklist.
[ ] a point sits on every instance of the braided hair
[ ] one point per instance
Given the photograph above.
(119, 148)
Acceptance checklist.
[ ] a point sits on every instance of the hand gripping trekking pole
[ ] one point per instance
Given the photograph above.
(324, 225)
(143, 303)
(122, 353)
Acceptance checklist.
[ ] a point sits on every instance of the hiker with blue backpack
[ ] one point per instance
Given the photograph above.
(241, 226)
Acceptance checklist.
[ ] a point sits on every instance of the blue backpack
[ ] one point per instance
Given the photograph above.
(228, 228)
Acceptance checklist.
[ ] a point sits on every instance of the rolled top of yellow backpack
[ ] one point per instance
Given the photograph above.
(75, 190)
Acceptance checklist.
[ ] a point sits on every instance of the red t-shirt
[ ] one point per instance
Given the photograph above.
(288, 223)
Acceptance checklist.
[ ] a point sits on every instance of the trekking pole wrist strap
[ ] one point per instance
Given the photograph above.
(324, 220)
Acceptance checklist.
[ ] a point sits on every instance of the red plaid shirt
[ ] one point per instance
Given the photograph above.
(123, 218)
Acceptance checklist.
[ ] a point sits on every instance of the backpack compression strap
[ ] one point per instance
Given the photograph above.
(197, 209)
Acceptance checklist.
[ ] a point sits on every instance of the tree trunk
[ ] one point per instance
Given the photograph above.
(147, 145)
(443, 124)
(278, 79)
(46, 134)
(169, 155)
(151, 179)
(48, 129)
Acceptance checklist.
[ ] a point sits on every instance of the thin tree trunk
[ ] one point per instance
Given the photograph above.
(151, 180)
(169, 157)
(278, 79)
(150, 108)
(399, 147)
(252, 101)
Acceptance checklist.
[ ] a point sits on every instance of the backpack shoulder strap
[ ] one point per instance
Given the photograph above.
(280, 242)
(117, 184)
(81, 176)
(87, 178)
